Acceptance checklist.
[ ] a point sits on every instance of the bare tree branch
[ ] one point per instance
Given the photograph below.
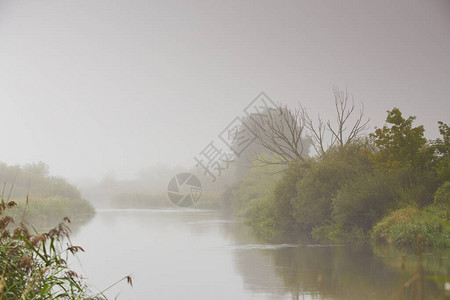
(343, 114)
(338, 133)
(316, 132)
(280, 131)
(288, 133)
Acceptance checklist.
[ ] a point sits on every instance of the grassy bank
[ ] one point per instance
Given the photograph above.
(404, 227)
(431, 224)
(47, 212)
(42, 199)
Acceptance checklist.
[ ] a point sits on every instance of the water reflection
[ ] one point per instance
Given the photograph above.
(187, 254)
(343, 272)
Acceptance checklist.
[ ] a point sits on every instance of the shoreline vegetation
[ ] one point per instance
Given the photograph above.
(35, 265)
(47, 212)
(35, 248)
(390, 186)
(42, 200)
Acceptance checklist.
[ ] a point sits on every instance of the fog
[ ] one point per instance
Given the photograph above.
(225, 149)
(97, 88)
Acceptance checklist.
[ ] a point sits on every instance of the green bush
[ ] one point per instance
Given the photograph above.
(442, 195)
(282, 198)
(404, 227)
(258, 182)
(260, 216)
(322, 180)
(362, 202)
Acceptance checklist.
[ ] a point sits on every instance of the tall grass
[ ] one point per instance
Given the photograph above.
(35, 265)
(402, 228)
(47, 212)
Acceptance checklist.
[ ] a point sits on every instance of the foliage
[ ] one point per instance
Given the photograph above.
(322, 180)
(361, 202)
(412, 187)
(260, 215)
(284, 193)
(258, 182)
(47, 198)
(442, 150)
(47, 212)
(401, 143)
(34, 266)
(382, 185)
(252, 197)
(403, 228)
(33, 180)
(442, 195)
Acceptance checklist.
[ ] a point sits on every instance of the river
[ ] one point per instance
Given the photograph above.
(200, 254)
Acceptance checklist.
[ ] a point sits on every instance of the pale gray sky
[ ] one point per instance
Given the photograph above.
(92, 87)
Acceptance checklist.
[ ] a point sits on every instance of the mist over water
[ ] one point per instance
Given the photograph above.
(201, 254)
(310, 138)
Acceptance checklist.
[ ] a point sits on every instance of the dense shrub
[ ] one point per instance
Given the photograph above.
(403, 228)
(283, 196)
(260, 215)
(322, 180)
(258, 183)
(442, 195)
(362, 202)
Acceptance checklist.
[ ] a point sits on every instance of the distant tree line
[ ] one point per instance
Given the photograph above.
(42, 199)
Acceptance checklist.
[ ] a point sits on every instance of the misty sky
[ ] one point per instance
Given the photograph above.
(97, 87)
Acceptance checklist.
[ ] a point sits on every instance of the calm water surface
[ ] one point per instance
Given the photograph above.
(192, 254)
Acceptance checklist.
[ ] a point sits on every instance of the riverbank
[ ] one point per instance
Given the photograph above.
(392, 187)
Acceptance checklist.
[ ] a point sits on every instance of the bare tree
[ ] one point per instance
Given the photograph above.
(343, 113)
(287, 134)
(316, 132)
(346, 129)
(282, 132)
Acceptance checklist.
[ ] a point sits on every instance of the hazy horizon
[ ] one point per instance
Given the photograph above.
(113, 87)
